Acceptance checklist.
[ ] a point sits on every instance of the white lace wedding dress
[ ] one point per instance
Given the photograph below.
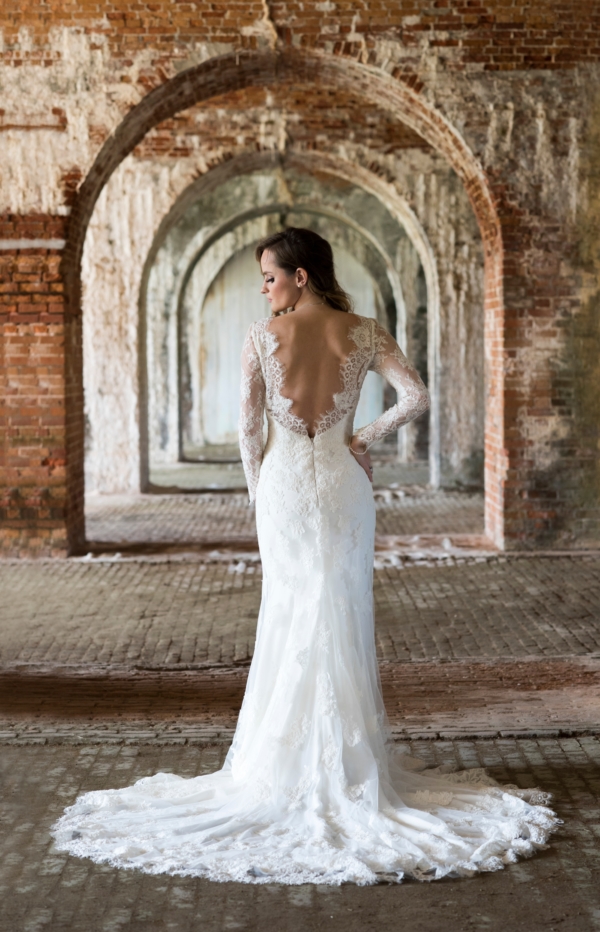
(311, 790)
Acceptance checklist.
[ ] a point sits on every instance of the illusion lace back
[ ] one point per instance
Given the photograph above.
(312, 790)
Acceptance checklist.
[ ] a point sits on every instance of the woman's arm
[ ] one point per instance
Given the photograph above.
(413, 397)
(252, 406)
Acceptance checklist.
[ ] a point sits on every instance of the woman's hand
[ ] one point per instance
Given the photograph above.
(364, 460)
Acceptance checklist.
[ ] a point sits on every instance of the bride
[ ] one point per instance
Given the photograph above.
(311, 789)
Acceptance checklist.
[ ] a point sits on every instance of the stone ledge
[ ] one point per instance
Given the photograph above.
(537, 697)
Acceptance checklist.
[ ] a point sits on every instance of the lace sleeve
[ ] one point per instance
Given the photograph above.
(252, 405)
(413, 398)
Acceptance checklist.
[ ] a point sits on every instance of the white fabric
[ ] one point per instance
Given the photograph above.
(311, 791)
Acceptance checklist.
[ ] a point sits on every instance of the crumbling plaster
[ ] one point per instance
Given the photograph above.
(66, 97)
(119, 237)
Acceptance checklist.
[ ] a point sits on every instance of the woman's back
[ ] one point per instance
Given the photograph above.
(312, 346)
(307, 368)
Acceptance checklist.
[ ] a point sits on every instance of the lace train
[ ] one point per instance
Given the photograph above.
(207, 827)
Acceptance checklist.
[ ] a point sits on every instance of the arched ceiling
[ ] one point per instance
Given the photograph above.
(202, 217)
(301, 116)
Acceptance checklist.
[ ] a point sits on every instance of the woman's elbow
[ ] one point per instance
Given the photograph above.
(424, 399)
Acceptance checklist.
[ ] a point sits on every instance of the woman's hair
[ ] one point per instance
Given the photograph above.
(297, 248)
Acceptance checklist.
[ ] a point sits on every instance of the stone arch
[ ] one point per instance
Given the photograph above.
(263, 68)
(241, 235)
(320, 164)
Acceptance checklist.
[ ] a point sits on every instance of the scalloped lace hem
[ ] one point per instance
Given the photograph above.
(508, 824)
(246, 871)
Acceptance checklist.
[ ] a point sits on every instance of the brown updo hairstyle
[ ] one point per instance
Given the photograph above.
(297, 248)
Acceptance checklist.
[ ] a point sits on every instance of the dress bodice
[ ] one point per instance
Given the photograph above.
(263, 388)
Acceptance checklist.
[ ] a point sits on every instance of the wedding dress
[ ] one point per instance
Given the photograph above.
(311, 789)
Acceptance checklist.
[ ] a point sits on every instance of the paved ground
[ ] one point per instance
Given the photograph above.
(189, 612)
(495, 646)
(120, 521)
(206, 476)
(450, 700)
(45, 890)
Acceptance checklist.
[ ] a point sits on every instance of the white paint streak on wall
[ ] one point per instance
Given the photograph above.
(86, 84)
(120, 234)
(454, 237)
(34, 160)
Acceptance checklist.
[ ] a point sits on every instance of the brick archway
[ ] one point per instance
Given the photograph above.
(324, 165)
(244, 69)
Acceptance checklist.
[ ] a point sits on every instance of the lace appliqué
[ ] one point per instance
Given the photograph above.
(413, 398)
(263, 382)
(302, 657)
(295, 736)
(296, 794)
(355, 792)
(330, 755)
(252, 405)
(351, 731)
(326, 703)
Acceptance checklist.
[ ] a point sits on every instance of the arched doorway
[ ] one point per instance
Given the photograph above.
(224, 313)
(261, 69)
(194, 262)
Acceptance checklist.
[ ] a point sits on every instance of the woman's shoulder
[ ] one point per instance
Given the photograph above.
(260, 335)
(360, 319)
(372, 325)
(258, 327)
(361, 330)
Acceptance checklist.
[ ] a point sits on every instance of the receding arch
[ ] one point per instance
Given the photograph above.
(195, 234)
(263, 68)
(321, 164)
(242, 69)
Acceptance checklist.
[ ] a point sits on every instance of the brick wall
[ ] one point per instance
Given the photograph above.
(493, 36)
(33, 491)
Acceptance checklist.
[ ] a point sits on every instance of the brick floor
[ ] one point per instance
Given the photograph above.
(504, 646)
(218, 518)
(115, 669)
(44, 889)
(169, 518)
(189, 612)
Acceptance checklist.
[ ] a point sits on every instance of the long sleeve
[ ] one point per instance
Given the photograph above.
(252, 406)
(413, 398)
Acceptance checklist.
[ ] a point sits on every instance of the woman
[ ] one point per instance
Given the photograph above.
(310, 791)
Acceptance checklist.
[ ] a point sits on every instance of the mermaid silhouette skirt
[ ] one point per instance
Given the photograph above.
(311, 790)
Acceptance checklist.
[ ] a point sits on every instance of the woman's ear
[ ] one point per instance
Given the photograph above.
(301, 277)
